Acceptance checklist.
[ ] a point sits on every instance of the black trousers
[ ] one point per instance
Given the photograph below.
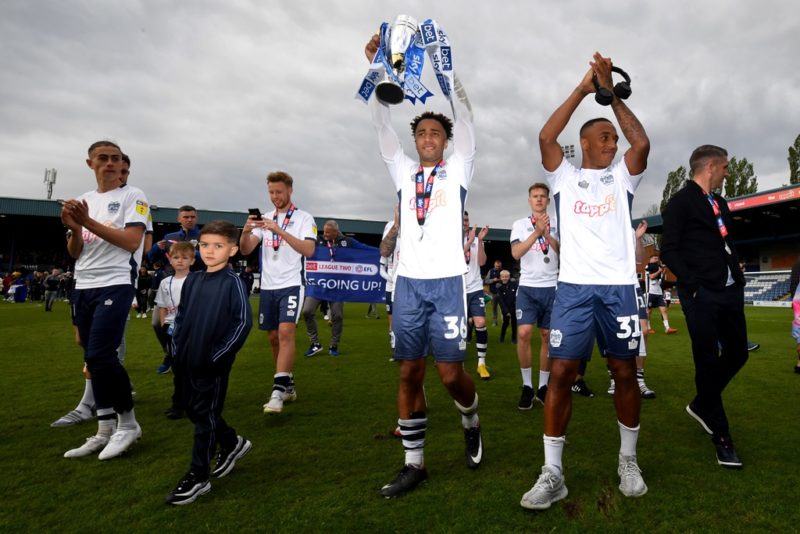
(719, 346)
(204, 399)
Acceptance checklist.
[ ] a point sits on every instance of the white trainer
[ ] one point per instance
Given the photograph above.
(120, 441)
(289, 396)
(631, 483)
(548, 489)
(612, 387)
(275, 404)
(93, 445)
(74, 417)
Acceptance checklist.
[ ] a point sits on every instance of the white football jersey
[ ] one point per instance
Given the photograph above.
(593, 207)
(473, 281)
(100, 263)
(536, 268)
(286, 267)
(169, 296)
(435, 248)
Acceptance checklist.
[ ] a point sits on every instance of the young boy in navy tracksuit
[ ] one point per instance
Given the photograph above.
(212, 324)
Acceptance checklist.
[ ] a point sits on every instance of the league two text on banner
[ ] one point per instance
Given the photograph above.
(353, 277)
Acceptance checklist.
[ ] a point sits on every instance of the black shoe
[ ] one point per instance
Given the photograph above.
(173, 413)
(226, 458)
(541, 393)
(526, 399)
(726, 452)
(752, 346)
(189, 489)
(797, 369)
(581, 388)
(691, 409)
(409, 478)
(474, 449)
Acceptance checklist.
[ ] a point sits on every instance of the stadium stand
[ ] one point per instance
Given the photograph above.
(766, 286)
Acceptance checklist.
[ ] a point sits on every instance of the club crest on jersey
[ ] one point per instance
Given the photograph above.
(607, 179)
(583, 184)
(113, 207)
(442, 174)
(141, 207)
(555, 338)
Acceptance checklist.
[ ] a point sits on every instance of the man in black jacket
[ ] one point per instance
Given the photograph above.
(698, 249)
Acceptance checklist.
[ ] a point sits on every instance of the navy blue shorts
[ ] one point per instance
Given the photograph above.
(388, 302)
(430, 316)
(476, 306)
(583, 313)
(655, 301)
(279, 306)
(640, 303)
(100, 315)
(535, 305)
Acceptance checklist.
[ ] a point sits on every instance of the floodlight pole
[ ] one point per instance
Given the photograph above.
(49, 181)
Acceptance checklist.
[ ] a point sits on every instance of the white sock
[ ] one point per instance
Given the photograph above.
(627, 439)
(526, 377)
(553, 449)
(106, 427)
(469, 415)
(482, 360)
(666, 325)
(544, 378)
(87, 401)
(127, 420)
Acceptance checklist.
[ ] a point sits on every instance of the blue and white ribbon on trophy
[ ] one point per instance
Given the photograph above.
(436, 43)
(428, 37)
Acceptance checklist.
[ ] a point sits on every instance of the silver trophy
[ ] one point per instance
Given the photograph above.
(401, 34)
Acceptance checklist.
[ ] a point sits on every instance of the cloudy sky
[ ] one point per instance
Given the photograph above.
(209, 96)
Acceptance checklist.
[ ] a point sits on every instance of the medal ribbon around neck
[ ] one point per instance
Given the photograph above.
(544, 244)
(331, 249)
(276, 239)
(423, 192)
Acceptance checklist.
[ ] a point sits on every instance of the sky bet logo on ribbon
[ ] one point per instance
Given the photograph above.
(447, 62)
(428, 32)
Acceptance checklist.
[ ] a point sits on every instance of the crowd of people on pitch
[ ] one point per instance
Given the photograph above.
(577, 287)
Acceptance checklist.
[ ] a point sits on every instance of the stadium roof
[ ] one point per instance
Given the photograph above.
(165, 215)
(758, 217)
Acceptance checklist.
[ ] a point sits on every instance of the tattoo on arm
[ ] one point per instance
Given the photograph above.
(389, 243)
(632, 129)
